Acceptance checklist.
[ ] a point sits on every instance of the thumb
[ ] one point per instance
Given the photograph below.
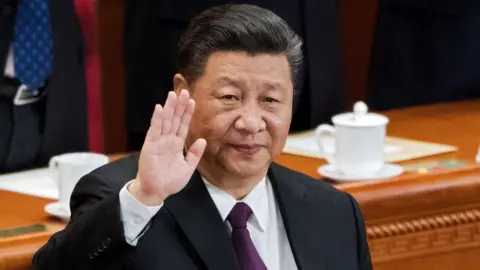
(195, 152)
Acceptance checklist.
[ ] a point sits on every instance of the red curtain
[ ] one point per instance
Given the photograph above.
(87, 16)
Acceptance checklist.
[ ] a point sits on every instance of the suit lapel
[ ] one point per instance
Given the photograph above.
(197, 215)
(303, 223)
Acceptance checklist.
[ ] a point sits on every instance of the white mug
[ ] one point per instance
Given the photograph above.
(356, 142)
(67, 169)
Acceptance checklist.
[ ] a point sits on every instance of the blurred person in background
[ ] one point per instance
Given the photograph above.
(153, 29)
(42, 88)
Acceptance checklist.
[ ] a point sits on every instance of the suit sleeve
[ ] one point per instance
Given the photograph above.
(94, 238)
(364, 260)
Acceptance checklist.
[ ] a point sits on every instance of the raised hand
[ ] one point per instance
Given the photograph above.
(163, 169)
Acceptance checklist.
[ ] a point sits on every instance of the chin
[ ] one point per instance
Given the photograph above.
(247, 171)
(247, 167)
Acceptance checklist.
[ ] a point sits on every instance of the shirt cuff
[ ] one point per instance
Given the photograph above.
(135, 215)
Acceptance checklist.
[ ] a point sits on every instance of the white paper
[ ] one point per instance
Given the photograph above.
(308, 144)
(36, 182)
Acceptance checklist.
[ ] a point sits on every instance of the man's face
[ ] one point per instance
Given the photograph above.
(243, 110)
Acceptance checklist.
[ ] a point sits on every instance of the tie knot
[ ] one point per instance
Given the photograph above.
(239, 216)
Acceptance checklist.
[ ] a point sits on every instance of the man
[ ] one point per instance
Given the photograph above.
(42, 87)
(152, 31)
(224, 204)
(425, 52)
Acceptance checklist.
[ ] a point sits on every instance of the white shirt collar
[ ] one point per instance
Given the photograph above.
(257, 199)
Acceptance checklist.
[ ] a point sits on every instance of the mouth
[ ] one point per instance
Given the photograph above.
(247, 148)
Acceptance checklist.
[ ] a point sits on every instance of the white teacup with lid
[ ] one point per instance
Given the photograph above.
(358, 141)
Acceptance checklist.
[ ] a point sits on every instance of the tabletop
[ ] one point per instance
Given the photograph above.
(451, 123)
(456, 124)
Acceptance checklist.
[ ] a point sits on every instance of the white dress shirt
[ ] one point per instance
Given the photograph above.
(265, 225)
(9, 67)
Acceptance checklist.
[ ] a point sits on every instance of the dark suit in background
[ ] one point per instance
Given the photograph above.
(152, 31)
(62, 112)
(425, 52)
(325, 227)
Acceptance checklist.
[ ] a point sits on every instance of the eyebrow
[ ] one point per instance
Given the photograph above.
(240, 84)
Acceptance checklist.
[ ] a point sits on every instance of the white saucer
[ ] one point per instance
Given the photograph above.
(387, 171)
(58, 210)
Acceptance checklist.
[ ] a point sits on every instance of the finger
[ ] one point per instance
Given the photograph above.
(155, 129)
(168, 110)
(182, 103)
(195, 152)
(186, 117)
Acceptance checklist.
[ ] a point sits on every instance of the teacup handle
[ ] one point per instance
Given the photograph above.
(321, 133)
(53, 166)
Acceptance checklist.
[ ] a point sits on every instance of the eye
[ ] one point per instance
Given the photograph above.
(229, 97)
(270, 100)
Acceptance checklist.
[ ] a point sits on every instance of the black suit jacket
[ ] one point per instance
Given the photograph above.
(153, 29)
(324, 226)
(65, 126)
(425, 52)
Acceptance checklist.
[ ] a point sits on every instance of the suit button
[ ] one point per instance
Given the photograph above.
(105, 244)
(7, 10)
(91, 256)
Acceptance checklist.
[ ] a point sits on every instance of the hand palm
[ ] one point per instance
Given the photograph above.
(163, 168)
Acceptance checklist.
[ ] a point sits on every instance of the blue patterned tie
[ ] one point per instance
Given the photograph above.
(32, 46)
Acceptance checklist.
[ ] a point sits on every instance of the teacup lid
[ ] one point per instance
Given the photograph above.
(360, 117)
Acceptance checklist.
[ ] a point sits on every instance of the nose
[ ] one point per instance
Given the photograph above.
(250, 120)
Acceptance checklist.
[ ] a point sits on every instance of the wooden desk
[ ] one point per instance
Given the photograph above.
(414, 221)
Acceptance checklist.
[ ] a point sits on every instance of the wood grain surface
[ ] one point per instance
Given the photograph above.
(414, 221)
(456, 124)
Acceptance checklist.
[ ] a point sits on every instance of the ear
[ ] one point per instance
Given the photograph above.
(179, 83)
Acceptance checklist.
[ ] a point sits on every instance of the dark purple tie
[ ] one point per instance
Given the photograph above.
(246, 252)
